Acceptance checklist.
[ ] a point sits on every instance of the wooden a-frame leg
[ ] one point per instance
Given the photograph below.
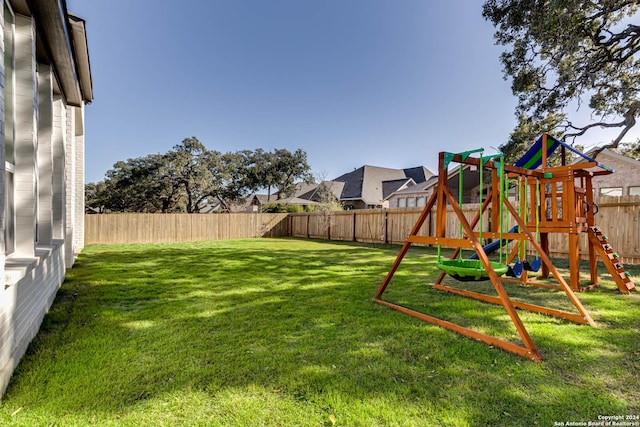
(405, 247)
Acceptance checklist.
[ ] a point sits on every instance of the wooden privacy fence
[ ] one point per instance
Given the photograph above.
(619, 218)
(385, 226)
(172, 228)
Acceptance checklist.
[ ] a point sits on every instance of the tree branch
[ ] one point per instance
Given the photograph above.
(626, 125)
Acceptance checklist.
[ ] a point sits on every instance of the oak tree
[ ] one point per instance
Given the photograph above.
(567, 53)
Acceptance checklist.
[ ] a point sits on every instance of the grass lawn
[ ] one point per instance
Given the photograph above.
(283, 332)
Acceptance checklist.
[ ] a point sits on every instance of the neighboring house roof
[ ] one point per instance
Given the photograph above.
(302, 188)
(367, 183)
(296, 201)
(433, 180)
(334, 186)
(470, 181)
(418, 174)
(423, 187)
(261, 198)
(211, 208)
(251, 200)
(389, 187)
(235, 205)
(470, 178)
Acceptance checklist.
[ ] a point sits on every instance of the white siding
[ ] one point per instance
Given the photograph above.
(45, 154)
(59, 168)
(26, 135)
(49, 184)
(70, 185)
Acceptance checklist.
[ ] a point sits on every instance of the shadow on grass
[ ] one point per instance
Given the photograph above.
(294, 319)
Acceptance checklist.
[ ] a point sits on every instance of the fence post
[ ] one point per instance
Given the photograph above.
(354, 226)
(386, 228)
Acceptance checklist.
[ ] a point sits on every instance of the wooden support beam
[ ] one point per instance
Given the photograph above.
(544, 151)
(574, 262)
(532, 282)
(495, 200)
(593, 261)
(578, 167)
(495, 279)
(487, 339)
(491, 164)
(442, 241)
(405, 247)
(521, 305)
(547, 261)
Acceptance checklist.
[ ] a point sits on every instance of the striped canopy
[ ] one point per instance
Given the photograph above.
(532, 159)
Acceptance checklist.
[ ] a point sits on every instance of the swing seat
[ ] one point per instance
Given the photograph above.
(534, 266)
(516, 270)
(469, 270)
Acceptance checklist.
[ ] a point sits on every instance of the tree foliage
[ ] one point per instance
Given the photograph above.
(135, 185)
(278, 170)
(630, 149)
(194, 166)
(570, 51)
(282, 208)
(328, 204)
(525, 133)
(189, 177)
(289, 168)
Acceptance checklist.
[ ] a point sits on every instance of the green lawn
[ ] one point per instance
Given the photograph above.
(283, 332)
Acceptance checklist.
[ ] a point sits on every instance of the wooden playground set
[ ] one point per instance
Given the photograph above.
(540, 199)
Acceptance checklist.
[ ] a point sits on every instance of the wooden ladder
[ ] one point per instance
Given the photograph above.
(611, 260)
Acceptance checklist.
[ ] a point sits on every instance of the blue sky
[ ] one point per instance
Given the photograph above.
(351, 82)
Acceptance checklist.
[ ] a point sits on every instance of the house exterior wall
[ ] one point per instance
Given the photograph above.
(2, 171)
(32, 287)
(45, 155)
(409, 200)
(26, 101)
(626, 177)
(48, 197)
(59, 138)
(78, 185)
(70, 159)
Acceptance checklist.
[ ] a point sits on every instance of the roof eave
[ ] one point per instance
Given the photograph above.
(54, 29)
(81, 47)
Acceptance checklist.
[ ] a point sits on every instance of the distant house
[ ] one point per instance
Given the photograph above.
(414, 196)
(250, 204)
(364, 188)
(625, 181)
(256, 202)
(417, 195)
(314, 192)
(369, 186)
(45, 82)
